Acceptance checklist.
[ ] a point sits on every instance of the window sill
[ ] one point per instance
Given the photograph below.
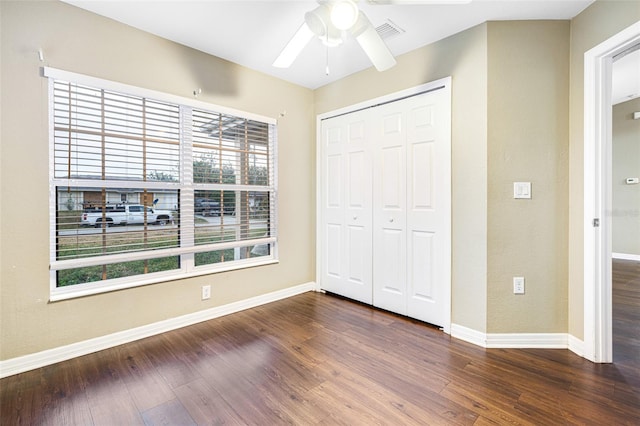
(90, 289)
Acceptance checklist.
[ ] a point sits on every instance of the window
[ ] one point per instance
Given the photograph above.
(148, 187)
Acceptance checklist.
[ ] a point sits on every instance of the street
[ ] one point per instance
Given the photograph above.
(211, 221)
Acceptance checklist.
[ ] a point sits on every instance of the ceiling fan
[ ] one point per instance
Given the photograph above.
(332, 20)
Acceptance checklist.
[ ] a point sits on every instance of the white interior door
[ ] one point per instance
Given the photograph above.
(346, 197)
(389, 211)
(428, 207)
(411, 207)
(385, 204)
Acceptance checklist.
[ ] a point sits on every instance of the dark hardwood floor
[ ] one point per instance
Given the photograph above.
(316, 359)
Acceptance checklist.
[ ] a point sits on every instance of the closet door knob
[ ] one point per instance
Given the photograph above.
(390, 219)
(355, 217)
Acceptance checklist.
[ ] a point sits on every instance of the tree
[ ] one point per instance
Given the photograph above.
(258, 175)
(206, 170)
(158, 176)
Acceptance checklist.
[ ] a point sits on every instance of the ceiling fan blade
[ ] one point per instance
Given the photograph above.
(300, 39)
(370, 41)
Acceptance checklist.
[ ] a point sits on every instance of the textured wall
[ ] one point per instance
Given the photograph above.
(528, 110)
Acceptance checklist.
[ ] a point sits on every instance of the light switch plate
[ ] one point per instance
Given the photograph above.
(518, 285)
(521, 189)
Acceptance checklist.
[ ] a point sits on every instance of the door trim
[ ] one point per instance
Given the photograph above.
(443, 83)
(598, 339)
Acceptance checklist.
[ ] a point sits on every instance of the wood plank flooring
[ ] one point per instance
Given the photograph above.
(317, 359)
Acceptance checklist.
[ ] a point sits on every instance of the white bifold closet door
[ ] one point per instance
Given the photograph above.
(385, 213)
(346, 194)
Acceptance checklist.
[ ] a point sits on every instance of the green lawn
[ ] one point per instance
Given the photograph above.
(80, 246)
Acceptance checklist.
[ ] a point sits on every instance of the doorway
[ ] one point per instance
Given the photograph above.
(598, 332)
(626, 207)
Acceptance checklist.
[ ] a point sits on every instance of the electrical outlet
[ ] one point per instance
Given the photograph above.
(518, 285)
(206, 292)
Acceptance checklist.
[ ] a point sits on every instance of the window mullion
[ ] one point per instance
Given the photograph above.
(103, 159)
(243, 216)
(272, 155)
(144, 179)
(187, 219)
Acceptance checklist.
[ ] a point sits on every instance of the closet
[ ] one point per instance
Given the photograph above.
(385, 203)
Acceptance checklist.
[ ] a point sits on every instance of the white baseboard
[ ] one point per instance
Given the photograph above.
(576, 345)
(518, 340)
(528, 340)
(626, 256)
(470, 335)
(51, 356)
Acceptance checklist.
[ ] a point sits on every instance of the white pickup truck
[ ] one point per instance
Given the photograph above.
(125, 214)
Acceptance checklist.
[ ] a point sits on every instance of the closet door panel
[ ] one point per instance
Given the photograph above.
(389, 211)
(421, 262)
(347, 210)
(428, 167)
(421, 157)
(358, 208)
(390, 275)
(357, 218)
(392, 176)
(332, 199)
(358, 244)
(333, 251)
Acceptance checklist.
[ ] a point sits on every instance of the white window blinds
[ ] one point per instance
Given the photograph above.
(105, 135)
(149, 187)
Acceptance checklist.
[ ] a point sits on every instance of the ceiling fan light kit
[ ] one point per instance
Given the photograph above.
(318, 19)
(319, 22)
(330, 21)
(344, 14)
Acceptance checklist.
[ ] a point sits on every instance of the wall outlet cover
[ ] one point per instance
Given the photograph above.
(206, 292)
(521, 189)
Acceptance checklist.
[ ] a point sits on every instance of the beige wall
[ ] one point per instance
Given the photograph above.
(528, 110)
(78, 41)
(597, 23)
(464, 57)
(626, 164)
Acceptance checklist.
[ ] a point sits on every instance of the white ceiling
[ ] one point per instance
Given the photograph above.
(252, 33)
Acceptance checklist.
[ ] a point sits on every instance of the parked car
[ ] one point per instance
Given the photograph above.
(125, 214)
(205, 207)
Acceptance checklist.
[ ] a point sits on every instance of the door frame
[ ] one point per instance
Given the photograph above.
(598, 62)
(440, 84)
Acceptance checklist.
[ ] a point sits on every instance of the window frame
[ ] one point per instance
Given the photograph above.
(187, 247)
